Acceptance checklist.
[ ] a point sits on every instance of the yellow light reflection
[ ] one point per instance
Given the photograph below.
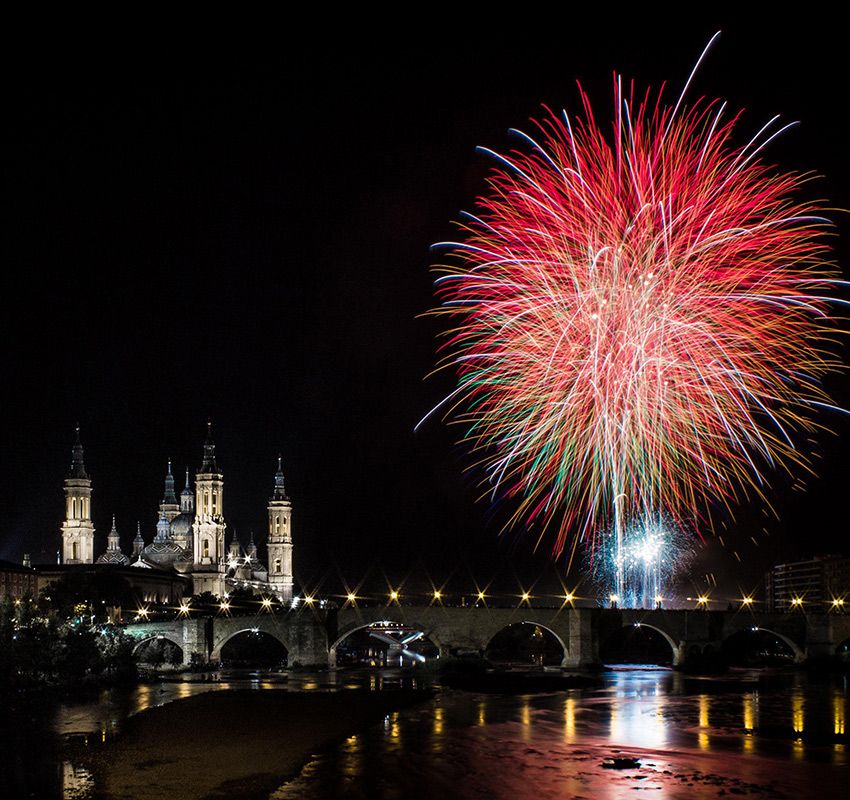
(143, 697)
(798, 723)
(797, 715)
(750, 721)
(482, 713)
(351, 766)
(438, 721)
(702, 736)
(839, 712)
(569, 719)
(395, 730)
(525, 719)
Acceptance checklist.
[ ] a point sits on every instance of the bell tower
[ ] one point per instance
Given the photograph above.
(280, 538)
(169, 507)
(208, 550)
(77, 529)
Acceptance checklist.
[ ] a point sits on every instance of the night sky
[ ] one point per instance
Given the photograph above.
(199, 229)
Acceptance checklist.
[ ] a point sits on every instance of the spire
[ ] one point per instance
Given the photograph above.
(78, 468)
(138, 542)
(112, 542)
(187, 497)
(169, 498)
(252, 548)
(279, 488)
(209, 464)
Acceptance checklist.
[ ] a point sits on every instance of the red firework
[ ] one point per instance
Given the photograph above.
(639, 324)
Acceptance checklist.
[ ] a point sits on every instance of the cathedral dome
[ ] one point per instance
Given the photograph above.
(163, 554)
(181, 526)
(113, 557)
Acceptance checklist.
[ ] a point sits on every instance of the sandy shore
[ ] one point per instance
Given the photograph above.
(234, 744)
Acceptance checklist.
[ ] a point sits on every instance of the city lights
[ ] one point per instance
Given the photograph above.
(394, 596)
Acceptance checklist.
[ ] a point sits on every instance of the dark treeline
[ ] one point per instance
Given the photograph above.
(56, 639)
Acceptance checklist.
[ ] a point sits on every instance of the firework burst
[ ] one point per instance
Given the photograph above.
(638, 320)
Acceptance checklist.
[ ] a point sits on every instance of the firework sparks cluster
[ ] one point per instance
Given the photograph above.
(640, 320)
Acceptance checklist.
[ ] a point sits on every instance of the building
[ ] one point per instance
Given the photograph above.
(814, 584)
(191, 533)
(17, 581)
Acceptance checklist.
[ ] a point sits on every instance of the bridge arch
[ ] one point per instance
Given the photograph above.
(152, 638)
(675, 650)
(140, 643)
(353, 628)
(797, 652)
(254, 648)
(238, 630)
(533, 623)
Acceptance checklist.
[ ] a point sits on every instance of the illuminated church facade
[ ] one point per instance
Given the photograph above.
(190, 535)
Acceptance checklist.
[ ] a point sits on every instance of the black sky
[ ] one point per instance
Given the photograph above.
(239, 229)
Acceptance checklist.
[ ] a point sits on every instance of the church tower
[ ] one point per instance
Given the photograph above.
(280, 538)
(169, 507)
(208, 529)
(77, 529)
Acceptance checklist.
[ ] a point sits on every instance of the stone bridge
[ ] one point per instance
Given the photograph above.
(311, 636)
(303, 634)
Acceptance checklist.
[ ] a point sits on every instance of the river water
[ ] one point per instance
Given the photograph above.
(754, 734)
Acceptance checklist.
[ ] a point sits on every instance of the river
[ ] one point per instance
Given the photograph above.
(753, 733)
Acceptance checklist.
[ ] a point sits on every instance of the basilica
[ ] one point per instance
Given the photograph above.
(190, 533)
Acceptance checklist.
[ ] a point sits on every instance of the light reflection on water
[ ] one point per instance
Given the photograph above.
(694, 738)
(537, 746)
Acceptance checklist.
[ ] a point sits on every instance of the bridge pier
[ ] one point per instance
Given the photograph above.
(583, 643)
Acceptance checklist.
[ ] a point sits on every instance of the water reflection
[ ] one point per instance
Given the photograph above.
(569, 718)
(704, 724)
(534, 746)
(686, 733)
(636, 713)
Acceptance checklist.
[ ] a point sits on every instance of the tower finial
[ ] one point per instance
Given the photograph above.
(78, 467)
(279, 487)
(168, 497)
(209, 464)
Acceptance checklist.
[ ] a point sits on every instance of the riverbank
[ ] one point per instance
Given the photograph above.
(234, 744)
